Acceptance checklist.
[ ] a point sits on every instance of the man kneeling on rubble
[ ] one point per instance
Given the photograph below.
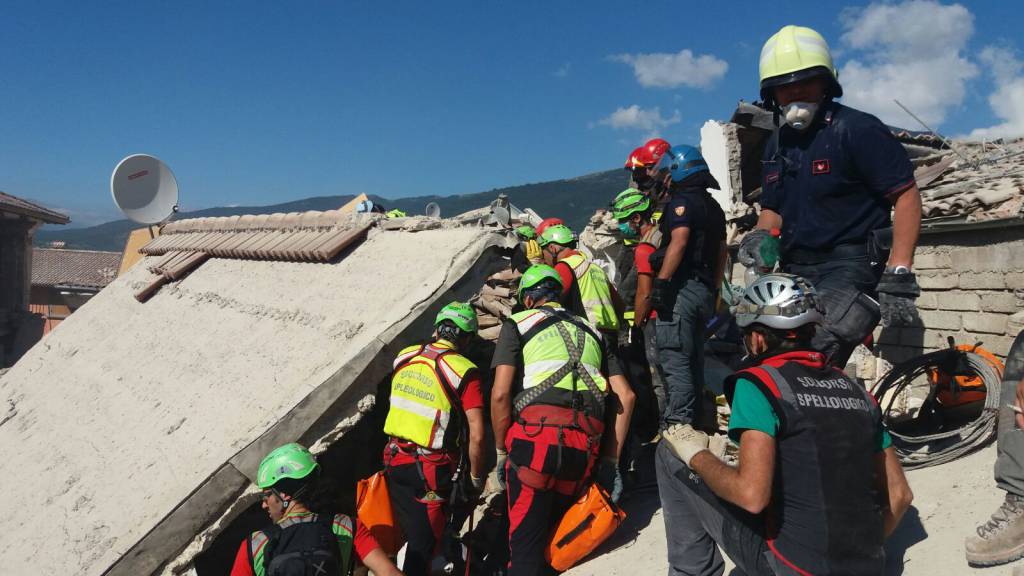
(818, 485)
(307, 537)
(549, 434)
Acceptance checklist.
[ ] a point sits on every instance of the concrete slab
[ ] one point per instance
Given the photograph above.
(128, 410)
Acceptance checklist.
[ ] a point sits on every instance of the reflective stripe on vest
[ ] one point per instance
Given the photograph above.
(594, 292)
(420, 407)
(545, 353)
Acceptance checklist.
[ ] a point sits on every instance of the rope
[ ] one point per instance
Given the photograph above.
(920, 451)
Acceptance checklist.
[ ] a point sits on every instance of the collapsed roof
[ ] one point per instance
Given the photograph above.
(134, 425)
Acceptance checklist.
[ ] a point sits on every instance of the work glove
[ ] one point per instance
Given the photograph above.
(897, 291)
(533, 252)
(660, 294)
(718, 445)
(749, 253)
(497, 478)
(476, 487)
(759, 249)
(610, 478)
(685, 441)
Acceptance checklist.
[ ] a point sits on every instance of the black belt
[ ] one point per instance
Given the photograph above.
(821, 255)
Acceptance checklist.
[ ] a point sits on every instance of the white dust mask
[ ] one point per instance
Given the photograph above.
(799, 115)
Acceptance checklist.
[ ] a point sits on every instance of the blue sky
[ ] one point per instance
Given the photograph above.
(262, 102)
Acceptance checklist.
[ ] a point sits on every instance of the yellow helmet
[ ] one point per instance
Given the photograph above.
(796, 53)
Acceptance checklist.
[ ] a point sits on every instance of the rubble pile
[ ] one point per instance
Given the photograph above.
(495, 301)
(601, 232)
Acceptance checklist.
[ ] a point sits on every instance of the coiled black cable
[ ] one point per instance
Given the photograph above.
(919, 450)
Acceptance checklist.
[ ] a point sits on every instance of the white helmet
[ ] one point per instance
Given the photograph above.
(780, 301)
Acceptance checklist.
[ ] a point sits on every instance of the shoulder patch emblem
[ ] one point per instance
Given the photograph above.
(820, 167)
(680, 210)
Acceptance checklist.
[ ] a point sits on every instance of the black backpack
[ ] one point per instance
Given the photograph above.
(303, 549)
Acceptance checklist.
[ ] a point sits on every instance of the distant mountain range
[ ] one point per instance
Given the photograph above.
(574, 200)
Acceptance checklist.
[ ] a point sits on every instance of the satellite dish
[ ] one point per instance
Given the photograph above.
(144, 189)
(432, 210)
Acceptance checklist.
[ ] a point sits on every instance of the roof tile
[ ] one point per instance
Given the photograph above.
(22, 207)
(84, 268)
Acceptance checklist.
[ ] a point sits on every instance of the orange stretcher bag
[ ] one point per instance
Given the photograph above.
(373, 507)
(590, 521)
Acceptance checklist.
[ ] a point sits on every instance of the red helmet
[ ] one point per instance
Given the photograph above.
(547, 222)
(634, 159)
(656, 147)
(647, 156)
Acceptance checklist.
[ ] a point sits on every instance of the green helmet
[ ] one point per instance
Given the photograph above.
(630, 202)
(535, 275)
(460, 314)
(526, 231)
(559, 234)
(289, 461)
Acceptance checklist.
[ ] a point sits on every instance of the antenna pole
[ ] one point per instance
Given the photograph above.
(945, 140)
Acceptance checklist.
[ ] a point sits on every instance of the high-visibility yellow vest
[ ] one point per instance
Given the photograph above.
(594, 291)
(545, 353)
(421, 409)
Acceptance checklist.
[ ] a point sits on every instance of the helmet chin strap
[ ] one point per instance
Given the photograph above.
(284, 503)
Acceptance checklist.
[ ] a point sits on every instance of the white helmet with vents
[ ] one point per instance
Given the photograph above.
(779, 301)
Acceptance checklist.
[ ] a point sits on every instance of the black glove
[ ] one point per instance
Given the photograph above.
(896, 294)
(749, 253)
(610, 478)
(660, 294)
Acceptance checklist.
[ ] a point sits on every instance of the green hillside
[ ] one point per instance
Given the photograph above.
(574, 200)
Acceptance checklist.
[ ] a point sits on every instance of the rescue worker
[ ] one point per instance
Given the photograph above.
(586, 292)
(436, 424)
(1001, 538)
(639, 163)
(634, 211)
(307, 536)
(831, 176)
(818, 485)
(554, 412)
(586, 289)
(688, 268)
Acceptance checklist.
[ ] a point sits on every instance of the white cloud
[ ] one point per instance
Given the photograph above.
(1007, 101)
(912, 52)
(649, 120)
(663, 70)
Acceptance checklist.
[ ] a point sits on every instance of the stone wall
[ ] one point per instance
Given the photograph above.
(972, 284)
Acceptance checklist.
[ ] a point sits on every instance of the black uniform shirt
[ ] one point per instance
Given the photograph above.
(696, 209)
(834, 184)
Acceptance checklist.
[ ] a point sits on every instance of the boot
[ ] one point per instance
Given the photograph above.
(1001, 539)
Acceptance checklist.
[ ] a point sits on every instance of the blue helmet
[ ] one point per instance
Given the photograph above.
(682, 161)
